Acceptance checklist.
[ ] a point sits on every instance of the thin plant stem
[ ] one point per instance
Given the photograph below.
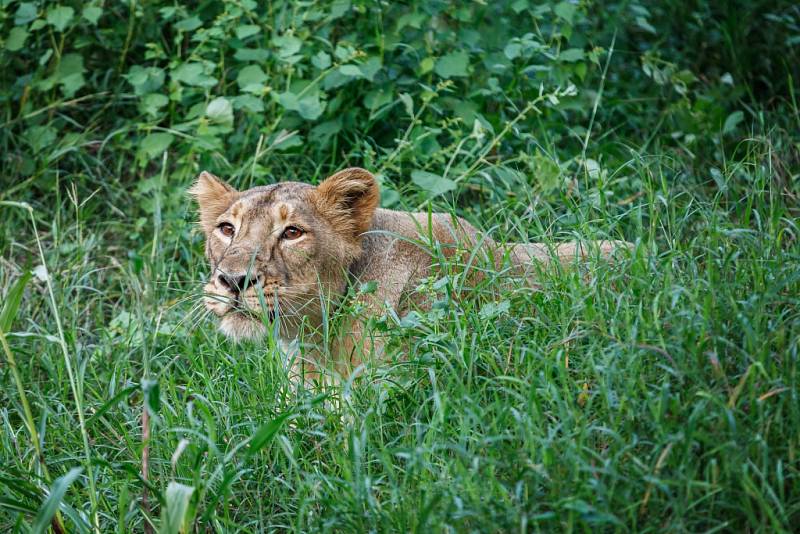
(73, 382)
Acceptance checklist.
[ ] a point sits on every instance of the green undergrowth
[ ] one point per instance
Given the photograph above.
(657, 393)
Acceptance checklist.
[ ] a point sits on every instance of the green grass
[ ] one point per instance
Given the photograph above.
(656, 394)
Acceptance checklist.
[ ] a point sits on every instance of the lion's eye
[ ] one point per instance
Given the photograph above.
(227, 229)
(292, 232)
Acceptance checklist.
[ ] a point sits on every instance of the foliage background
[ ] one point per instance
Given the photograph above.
(662, 395)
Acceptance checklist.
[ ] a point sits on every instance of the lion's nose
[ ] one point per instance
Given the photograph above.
(236, 283)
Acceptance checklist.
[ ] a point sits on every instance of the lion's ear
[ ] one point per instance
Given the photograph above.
(213, 198)
(349, 199)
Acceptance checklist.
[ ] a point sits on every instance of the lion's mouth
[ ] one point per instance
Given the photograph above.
(252, 314)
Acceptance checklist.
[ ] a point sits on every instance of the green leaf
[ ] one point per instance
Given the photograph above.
(155, 144)
(512, 50)
(284, 140)
(339, 8)
(26, 12)
(266, 433)
(644, 24)
(193, 74)
(490, 310)
(97, 414)
(53, 501)
(572, 55)
(188, 25)
(40, 137)
(60, 16)
(70, 74)
(247, 30)
(252, 54)
(248, 103)
(152, 395)
(145, 79)
(288, 45)
(220, 111)
(12, 301)
(351, 71)
(433, 184)
(732, 122)
(152, 103)
(16, 39)
(309, 107)
(452, 65)
(370, 67)
(321, 60)
(251, 79)
(92, 14)
(566, 11)
(408, 103)
(177, 515)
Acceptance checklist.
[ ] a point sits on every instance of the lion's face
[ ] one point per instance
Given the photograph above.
(277, 251)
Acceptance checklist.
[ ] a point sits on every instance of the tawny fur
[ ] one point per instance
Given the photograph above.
(346, 239)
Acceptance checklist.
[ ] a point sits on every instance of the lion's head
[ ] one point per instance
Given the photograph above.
(280, 250)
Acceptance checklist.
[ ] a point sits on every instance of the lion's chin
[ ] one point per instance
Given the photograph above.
(240, 326)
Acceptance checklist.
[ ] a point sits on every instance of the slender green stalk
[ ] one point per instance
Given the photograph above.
(73, 382)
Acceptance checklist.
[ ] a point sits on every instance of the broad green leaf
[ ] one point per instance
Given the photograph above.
(266, 433)
(50, 505)
(177, 515)
(490, 310)
(247, 30)
(155, 144)
(188, 25)
(40, 137)
(152, 103)
(321, 60)
(26, 12)
(351, 71)
(431, 183)
(732, 122)
(12, 301)
(145, 79)
(152, 395)
(193, 74)
(92, 14)
(572, 55)
(284, 140)
(16, 39)
(288, 45)
(322, 132)
(452, 65)
(339, 8)
(249, 103)
(220, 111)
(70, 74)
(251, 79)
(371, 67)
(566, 11)
(644, 24)
(377, 99)
(288, 100)
(426, 65)
(512, 50)
(519, 6)
(60, 17)
(309, 107)
(259, 55)
(408, 103)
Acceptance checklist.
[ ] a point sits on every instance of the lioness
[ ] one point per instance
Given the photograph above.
(289, 251)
